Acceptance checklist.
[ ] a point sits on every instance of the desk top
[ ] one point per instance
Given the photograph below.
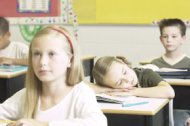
(12, 74)
(12, 71)
(145, 62)
(151, 108)
(179, 82)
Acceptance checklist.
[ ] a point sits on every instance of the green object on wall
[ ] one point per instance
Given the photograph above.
(28, 31)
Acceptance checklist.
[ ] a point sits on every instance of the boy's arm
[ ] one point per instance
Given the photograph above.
(12, 61)
(23, 62)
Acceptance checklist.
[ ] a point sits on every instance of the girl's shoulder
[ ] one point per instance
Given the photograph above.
(143, 70)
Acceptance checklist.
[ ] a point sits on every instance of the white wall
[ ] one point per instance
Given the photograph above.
(136, 42)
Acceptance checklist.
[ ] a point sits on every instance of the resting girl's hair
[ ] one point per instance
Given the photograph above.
(102, 66)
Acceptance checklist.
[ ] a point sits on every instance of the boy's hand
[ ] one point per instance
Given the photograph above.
(4, 60)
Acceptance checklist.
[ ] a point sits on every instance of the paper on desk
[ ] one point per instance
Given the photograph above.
(102, 97)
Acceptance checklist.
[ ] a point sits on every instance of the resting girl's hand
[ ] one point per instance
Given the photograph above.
(121, 92)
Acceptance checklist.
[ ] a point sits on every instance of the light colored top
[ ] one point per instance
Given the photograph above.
(17, 50)
(153, 106)
(78, 108)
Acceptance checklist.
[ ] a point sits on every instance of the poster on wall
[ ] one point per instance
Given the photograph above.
(33, 6)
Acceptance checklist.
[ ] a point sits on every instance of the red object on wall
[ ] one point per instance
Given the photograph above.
(8, 8)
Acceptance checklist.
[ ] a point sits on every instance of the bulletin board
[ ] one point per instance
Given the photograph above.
(9, 8)
(130, 11)
(31, 15)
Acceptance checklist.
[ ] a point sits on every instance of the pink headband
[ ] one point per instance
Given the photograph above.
(65, 34)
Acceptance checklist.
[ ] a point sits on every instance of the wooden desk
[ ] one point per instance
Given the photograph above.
(11, 82)
(88, 64)
(144, 62)
(155, 113)
(182, 93)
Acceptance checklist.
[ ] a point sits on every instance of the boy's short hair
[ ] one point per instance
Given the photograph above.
(173, 22)
(4, 26)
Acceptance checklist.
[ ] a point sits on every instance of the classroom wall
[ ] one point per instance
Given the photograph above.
(137, 42)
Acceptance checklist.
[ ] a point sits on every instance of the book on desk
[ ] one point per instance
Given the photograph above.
(12, 68)
(170, 73)
(125, 101)
(175, 73)
(102, 97)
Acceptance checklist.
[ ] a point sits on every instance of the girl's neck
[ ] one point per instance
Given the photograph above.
(53, 89)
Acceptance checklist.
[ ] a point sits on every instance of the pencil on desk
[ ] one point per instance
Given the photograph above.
(134, 104)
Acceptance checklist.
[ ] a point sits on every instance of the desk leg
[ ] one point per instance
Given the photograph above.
(181, 93)
(88, 66)
(91, 67)
(160, 119)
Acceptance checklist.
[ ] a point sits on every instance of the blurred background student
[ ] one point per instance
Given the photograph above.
(172, 37)
(11, 52)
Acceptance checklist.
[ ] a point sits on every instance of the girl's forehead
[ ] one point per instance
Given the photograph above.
(49, 40)
(47, 44)
(115, 67)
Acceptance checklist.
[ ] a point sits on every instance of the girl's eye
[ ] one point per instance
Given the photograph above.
(36, 54)
(51, 54)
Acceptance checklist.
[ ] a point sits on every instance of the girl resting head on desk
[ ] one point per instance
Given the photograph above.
(55, 94)
(116, 76)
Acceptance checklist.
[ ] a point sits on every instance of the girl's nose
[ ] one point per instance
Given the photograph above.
(43, 60)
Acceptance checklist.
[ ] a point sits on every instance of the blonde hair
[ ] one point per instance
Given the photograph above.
(102, 67)
(75, 73)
